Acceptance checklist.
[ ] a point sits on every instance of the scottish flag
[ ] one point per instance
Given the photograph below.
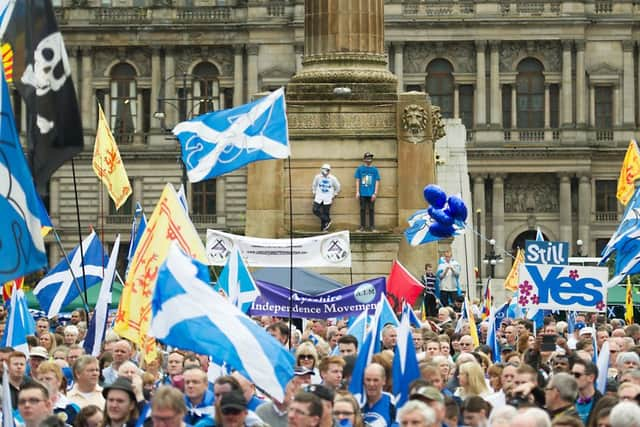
(603, 367)
(182, 198)
(237, 283)
(64, 283)
(492, 335)
(217, 143)
(358, 328)
(405, 362)
(22, 250)
(189, 314)
(19, 323)
(387, 316)
(419, 233)
(138, 225)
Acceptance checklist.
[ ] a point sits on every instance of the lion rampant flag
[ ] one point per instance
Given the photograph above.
(169, 222)
(511, 281)
(629, 173)
(107, 163)
(8, 287)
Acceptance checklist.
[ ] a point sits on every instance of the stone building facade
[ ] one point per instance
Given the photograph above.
(547, 90)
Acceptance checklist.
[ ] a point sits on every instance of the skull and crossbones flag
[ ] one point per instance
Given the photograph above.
(42, 75)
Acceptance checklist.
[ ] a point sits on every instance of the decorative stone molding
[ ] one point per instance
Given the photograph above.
(344, 120)
(418, 55)
(531, 193)
(547, 52)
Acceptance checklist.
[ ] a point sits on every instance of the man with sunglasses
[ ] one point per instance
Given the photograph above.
(585, 372)
(233, 408)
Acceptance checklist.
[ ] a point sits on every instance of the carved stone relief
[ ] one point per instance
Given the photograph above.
(549, 52)
(221, 56)
(418, 55)
(142, 59)
(525, 193)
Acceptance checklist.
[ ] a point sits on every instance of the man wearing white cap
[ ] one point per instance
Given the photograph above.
(325, 188)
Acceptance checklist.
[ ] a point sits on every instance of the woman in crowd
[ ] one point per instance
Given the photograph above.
(472, 381)
(51, 374)
(89, 416)
(48, 341)
(345, 407)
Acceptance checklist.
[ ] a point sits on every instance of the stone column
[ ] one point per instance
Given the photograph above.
(565, 208)
(107, 107)
(481, 83)
(87, 99)
(496, 94)
(628, 81)
(581, 89)
(23, 116)
(238, 76)
(252, 70)
(617, 108)
(456, 101)
(72, 53)
(497, 204)
(479, 205)
(398, 64)
(221, 202)
(567, 115)
(584, 211)
(171, 113)
(299, 52)
(592, 106)
(514, 107)
(137, 189)
(547, 106)
(139, 112)
(156, 82)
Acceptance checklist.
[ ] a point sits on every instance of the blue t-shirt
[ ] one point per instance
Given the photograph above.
(368, 176)
(382, 413)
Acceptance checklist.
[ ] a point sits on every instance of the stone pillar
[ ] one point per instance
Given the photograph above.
(107, 108)
(299, 52)
(72, 53)
(456, 101)
(479, 205)
(567, 115)
(171, 113)
(23, 116)
(547, 106)
(628, 81)
(584, 211)
(514, 107)
(481, 84)
(496, 94)
(565, 208)
(238, 75)
(497, 204)
(139, 112)
(54, 200)
(221, 213)
(581, 89)
(592, 106)
(137, 189)
(398, 64)
(617, 108)
(252, 70)
(156, 82)
(87, 99)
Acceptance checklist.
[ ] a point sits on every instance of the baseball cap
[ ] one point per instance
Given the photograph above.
(368, 155)
(586, 330)
(506, 348)
(326, 166)
(323, 392)
(301, 370)
(429, 393)
(38, 351)
(233, 400)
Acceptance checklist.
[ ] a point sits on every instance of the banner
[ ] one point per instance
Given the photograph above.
(345, 302)
(328, 250)
(563, 287)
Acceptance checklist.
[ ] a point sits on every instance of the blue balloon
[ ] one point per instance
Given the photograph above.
(435, 196)
(440, 216)
(457, 209)
(441, 230)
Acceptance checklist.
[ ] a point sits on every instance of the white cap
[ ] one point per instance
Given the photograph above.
(326, 166)
(586, 330)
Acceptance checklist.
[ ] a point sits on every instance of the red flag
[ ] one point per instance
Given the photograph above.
(7, 288)
(402, 286)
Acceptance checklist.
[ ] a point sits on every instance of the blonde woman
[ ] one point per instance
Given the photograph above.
(472, 381)
(307, 357)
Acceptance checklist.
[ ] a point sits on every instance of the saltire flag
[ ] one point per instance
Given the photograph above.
(539, 235)
(629, 172)
(473, 330)
(237, 283)
(464, 315)
(220, 142)
(98, 324)
(387, 314)
(6, 9)
(628, 303)
(486, 306)
(42, 76)
(402, 286)
(7, 408)
(512, 279)
(189, 314)
(492, 338)
(594, 343)
(536, 315)
(571, 321)
(138, 225)
(168, 223)
(501, 313)
(64, 282)
(405, 362)
(414, 320)
(23, 249)
(358, 327)
(45, 222)
(19, 324)
(182, 197)
(107, 163)
(418, 232)
(8, 287)
(603, 367)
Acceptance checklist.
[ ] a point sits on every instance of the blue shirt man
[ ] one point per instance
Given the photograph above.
(367, 185)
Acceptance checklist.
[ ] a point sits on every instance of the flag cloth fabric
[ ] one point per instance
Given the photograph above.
(189, 314)
(414, 320)
(45, 222)
(405, 362)
(539, 235)
(19, 323)
(42, 76)
(629, 172)
(387, 314)
(492, 339)
(8, 287)
(23, 249)
(603, 367)
(138, 225)
(402, 286)
(64, 282)
(167, 223)
(182, 197)
(237, 283)
(107, 163)
(512, 280)
(7, 408)
(628, 303)
(217, 143)
(486, 306)
(98, 324)
(473, 330)
(358, 328)
(418, 232)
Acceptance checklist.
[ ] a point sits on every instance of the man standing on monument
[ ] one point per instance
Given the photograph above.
(447, 275)
(367, 184)
(325, 188)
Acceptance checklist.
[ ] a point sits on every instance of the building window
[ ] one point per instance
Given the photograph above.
(554, 103)
(124, 104)
(604, 107)
(203, 197)
(440, 86)
(206, 90)
(466, 105)
(606, 202)
(506, 107)
(530, 94)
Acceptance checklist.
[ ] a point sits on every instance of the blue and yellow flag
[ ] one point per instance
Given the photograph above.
(628, 303)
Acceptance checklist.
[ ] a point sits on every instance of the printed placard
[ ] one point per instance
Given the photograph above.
(546, 252)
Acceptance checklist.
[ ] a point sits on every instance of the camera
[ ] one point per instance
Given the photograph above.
(517, 400)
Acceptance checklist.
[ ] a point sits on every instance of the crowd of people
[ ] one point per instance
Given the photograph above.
(460, 384)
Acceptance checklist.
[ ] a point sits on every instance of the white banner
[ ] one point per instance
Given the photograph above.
(328, 250)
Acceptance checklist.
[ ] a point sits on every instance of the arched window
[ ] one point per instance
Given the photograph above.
(530, 94)
(440, 85)
(206, 90)
(124, 104)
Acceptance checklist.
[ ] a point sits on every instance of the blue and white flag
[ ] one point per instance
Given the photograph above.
(98, 324)
(405, 362)
(7, 409)
(138, 225)
(182, 198)
(217, 143)
(387, 315)
(189, 314)
(6, 10)
(492, 336)
(58, 288)
(19, 323)
(358, 327)
(414, 320)
(419, 225)
(237, 283)
(501, 314)
(603, 367)
(22, 250)
(539, 235)
(571, 322)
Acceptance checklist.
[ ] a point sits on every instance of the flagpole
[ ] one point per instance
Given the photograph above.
(84, 275)
(290, 254)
